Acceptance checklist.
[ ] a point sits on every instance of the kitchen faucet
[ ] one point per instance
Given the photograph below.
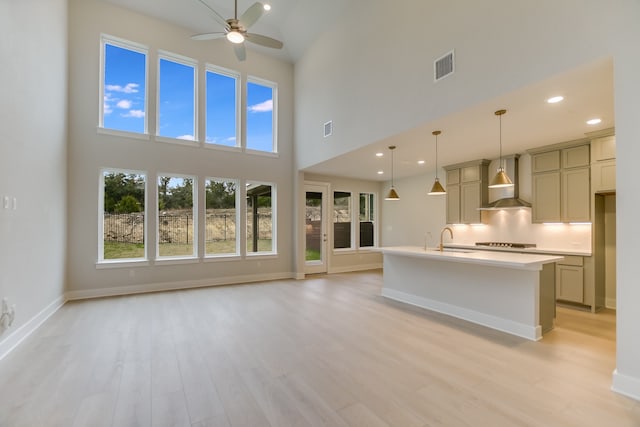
(441, 247)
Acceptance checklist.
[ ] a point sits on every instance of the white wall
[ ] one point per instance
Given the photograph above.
(379, 83)
(89, 151)
(33, 135)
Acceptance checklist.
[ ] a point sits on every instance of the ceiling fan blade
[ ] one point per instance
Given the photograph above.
(241, 52)
(251, 15)
(216, 15)
(264, 41)
(208, 36)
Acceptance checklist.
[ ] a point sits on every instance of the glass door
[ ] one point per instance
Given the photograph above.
(315, 228)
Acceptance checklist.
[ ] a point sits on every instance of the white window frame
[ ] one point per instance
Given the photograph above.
(189, 62)
(194, 243)
(136, 47)
(274, 117)
(352, 234)
(375, 221)
(120, 261)
(238, 78)
(274, 219)
(239, 224)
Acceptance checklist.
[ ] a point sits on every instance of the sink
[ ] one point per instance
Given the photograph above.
(462, 251)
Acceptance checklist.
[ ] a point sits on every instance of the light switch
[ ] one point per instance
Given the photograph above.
(5, 202)
(15, 203)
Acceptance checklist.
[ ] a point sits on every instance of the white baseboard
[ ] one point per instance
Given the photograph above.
(504, 325)
(360, 267)
(610, 303)
(626, 385)
(20, 334)
(172, 286)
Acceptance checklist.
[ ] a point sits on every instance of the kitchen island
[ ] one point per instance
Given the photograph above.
(510, 292)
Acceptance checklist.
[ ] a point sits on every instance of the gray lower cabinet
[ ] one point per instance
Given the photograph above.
(575, 281)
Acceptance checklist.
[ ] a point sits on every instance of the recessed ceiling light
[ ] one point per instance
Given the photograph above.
(380, 172)
(379, 154)
(267, 6)
(594, 121)
(555, 99)
(421, 162)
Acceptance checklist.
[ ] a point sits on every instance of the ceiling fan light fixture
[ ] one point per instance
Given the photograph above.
(267, 7)
(235, 37)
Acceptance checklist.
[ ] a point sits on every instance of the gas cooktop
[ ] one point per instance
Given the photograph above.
(507, 245)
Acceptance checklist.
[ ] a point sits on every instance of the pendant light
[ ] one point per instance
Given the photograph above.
(501, 179)
(393, 195)
(437, 189)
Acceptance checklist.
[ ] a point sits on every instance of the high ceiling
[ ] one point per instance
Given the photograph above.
(297, 23)
(466, 135)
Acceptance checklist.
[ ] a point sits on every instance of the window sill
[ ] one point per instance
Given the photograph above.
(230, 148)
(176, 141)
(346, 251)
(262, 255)
(122, 133)
(124, 263)
(222, 258)
(271, 154)
(176, 260)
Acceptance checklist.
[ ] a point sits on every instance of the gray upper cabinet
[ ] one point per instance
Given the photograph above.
(561, 181)
(603, 164)
(466, 191)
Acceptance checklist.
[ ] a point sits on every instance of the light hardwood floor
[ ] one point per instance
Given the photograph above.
(326, 351)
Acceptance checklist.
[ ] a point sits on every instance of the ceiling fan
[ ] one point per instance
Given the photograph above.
(235, 29)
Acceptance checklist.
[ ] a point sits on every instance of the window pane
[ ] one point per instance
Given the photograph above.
(221, 235)
(123, 231)
(341, 220)
(367, 225)
(260, 107)
(260, 219)
(176, 106)
(221, 109)
(124, 89)
(175, 216)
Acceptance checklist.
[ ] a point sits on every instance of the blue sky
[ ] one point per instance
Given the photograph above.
(124, 97)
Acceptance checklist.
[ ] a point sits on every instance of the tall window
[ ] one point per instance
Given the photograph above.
(123, 232)
(221, 217)
(176, 216)
(367, 218)
(222, 107)
(261, 114)
(123, 86)
(261, 233)
(176, 97)
(341, 220)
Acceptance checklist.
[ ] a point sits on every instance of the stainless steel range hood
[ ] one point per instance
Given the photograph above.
(513, 202)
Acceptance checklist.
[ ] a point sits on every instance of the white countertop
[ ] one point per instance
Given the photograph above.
(490, 258)
(551, 251)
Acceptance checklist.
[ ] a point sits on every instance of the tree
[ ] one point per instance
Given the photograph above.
(118, 185)
(127, 204)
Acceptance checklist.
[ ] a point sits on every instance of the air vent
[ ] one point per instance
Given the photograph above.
(328, 128)
(443, 66)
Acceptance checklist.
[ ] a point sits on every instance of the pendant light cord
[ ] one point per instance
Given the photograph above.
(501, 162)
(436, 156)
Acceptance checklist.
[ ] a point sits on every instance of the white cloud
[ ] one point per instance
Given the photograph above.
(262, 107)
(106, 106)
(231, 139)
(187, 137)
(125, 104)
(134, 113)
(129, 88)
